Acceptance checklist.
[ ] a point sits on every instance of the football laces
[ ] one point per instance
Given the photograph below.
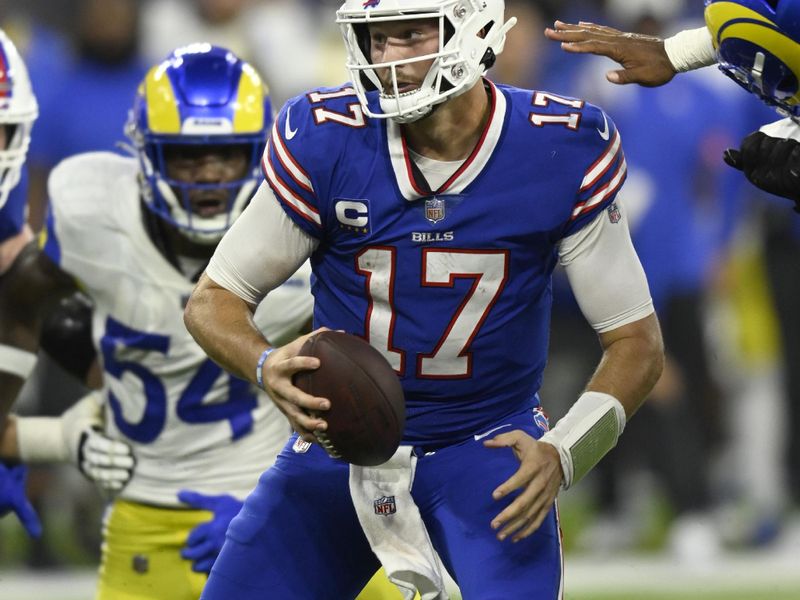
(326, 443)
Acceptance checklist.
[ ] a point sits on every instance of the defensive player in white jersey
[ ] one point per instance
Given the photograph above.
(755, 42)
(18, 111)
(134, 234)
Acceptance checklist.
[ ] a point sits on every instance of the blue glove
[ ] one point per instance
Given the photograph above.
(205, 541)
(12, 497)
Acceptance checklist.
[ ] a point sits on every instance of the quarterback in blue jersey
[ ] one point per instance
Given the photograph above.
(434, 205)
(755, 42)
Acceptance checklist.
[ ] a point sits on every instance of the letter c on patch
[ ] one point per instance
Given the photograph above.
(352, 213)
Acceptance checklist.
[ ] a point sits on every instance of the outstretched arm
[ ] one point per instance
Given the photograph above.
(646, 60)
(76, 437)
(28, 290)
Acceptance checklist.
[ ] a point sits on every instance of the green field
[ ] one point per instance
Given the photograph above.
(646, 573)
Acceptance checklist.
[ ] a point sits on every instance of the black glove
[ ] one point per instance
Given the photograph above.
(772, 164)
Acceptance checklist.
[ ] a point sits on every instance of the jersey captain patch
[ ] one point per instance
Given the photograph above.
(353, 215)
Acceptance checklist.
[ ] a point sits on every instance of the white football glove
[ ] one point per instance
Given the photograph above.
(109, 463)
(76, 436)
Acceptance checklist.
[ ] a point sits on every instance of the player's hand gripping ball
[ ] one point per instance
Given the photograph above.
(367, 414)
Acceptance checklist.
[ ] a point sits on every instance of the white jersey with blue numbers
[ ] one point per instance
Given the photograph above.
(452, 285)
(190, 423)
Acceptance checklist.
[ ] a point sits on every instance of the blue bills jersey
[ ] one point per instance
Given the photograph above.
(452, 284)
(14, 212)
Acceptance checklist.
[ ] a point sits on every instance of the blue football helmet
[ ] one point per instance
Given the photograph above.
(758, 45)
(201, 95)
(18, 111)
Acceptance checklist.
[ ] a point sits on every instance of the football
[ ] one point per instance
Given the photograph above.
(367, 414)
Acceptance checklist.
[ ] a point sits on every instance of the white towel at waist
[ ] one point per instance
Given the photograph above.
(393, 526)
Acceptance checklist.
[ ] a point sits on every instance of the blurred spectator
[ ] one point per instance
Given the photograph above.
(295, 44)
(680, 201)
(84, 94)
(529, 59)
(521, 60)
(745, 337)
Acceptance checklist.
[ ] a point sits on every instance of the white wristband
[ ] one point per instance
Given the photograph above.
(690, 49)
(41, 440)
(55, 439)
(15, 361)
(586, 433)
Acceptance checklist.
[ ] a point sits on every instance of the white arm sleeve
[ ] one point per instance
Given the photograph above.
(261, 250)
(605, 273)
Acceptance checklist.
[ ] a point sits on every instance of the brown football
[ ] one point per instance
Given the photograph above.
(367, 414)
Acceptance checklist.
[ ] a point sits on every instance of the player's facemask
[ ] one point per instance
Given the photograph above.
(203, 96)
(758, 45)
(18, 111)
(471, 34)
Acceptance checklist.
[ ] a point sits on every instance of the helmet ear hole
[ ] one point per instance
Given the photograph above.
(485, 31)
(489, 58)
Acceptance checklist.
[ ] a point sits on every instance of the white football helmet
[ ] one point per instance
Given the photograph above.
(18, 111)
(471, 34)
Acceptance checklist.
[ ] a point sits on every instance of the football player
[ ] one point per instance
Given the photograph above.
(434, 205)
(18, 111)
(757, 44)
(134, 233)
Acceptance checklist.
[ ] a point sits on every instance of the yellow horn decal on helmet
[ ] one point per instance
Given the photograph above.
(248, 114)
(720, 13)
(781, 47)
(162, 108)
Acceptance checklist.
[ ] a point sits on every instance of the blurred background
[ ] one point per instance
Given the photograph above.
(701, 498)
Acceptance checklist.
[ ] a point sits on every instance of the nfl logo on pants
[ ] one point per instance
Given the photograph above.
(385, 505)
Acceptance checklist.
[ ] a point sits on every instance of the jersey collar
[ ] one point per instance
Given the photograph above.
(409, 178)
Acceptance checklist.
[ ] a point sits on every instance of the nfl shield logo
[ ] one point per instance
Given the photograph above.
(434, 209)
(541, 419)
(385, 505)
(613, 213)
(301, 446)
